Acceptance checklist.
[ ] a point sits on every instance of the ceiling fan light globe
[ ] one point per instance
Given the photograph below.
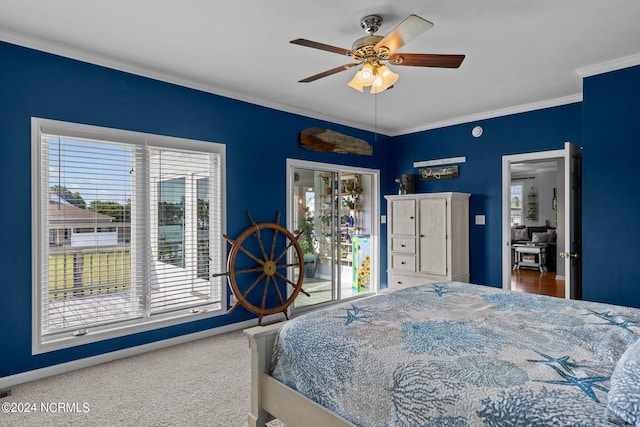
(391, 78)
(378, 84)
(366, 74)
(385, 72)
(355, 82)
(383, 80)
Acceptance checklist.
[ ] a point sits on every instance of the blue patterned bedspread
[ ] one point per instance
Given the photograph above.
(456, 354)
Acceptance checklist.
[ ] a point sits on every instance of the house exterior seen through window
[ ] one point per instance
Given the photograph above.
(516, 203)
(129, 230)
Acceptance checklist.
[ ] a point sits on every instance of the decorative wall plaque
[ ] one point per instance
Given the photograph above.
(444, 172)
(329, 141)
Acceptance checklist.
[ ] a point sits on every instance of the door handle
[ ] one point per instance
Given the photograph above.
(569, 255)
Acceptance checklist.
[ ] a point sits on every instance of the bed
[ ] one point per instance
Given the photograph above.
(449, 354)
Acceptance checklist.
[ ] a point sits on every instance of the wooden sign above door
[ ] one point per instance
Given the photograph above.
(328, 141)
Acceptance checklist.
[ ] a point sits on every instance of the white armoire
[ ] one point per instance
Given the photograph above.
(427, 238)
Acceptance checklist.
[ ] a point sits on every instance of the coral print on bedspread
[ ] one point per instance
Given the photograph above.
(457, 354)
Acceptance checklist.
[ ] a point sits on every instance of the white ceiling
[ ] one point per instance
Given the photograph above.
(520, 55)
(533, 167)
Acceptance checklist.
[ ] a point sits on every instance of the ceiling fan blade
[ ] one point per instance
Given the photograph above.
(322, 46)
(426, 60)
(407, 30)
(327, 73)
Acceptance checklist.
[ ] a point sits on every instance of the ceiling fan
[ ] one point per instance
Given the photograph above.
(372, 54)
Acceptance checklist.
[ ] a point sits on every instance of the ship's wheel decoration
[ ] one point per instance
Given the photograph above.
(257, 268)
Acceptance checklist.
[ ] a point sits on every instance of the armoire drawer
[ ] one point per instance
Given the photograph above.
(398, 281)
(403, 244)
(403, 262)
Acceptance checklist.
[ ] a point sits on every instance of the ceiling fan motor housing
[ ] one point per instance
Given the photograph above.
(371, 23)
(364, 45)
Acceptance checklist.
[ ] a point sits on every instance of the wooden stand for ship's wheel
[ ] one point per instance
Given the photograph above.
(268, 266)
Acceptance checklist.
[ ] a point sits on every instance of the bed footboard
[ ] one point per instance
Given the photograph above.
(261, 341)
(270, 398)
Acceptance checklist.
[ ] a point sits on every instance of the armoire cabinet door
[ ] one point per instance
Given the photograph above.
(403, 217)
(433, 236)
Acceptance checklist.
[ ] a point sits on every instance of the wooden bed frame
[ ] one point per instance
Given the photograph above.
(272, 399)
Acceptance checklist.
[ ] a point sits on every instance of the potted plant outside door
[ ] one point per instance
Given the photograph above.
(308, 243)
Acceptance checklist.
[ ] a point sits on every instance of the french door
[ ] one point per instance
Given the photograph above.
(334, 207)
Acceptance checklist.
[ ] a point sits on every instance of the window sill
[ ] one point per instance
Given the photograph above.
(74, 338)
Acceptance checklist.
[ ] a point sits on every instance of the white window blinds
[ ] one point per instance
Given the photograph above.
(86, 196)
(129, 229)
(179, 191)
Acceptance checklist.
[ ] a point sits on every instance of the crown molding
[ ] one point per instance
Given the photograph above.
(113, 63)
(523, 108)
(605, 67)
(66, 51)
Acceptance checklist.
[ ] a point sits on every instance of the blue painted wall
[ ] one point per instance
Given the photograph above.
(611, 187)
(481, 175)
(259, 140)
(604, 124)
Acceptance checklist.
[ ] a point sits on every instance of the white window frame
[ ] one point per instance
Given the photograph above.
(40, 235)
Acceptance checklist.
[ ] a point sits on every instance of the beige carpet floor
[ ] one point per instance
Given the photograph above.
(201, 383)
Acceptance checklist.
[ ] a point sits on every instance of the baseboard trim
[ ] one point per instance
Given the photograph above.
(38, 374)
(559, 277)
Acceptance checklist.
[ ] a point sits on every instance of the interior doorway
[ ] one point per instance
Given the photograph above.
(540, 217)
(535, 226)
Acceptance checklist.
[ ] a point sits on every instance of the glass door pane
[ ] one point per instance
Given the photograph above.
(333, 211)
(354, 213)
(171, 221)
(313, 193)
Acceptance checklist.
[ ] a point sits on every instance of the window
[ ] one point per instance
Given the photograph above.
(127, 231)
(516, 203)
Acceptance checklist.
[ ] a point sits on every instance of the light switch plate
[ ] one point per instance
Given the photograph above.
(480, 220)
(383, 219)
